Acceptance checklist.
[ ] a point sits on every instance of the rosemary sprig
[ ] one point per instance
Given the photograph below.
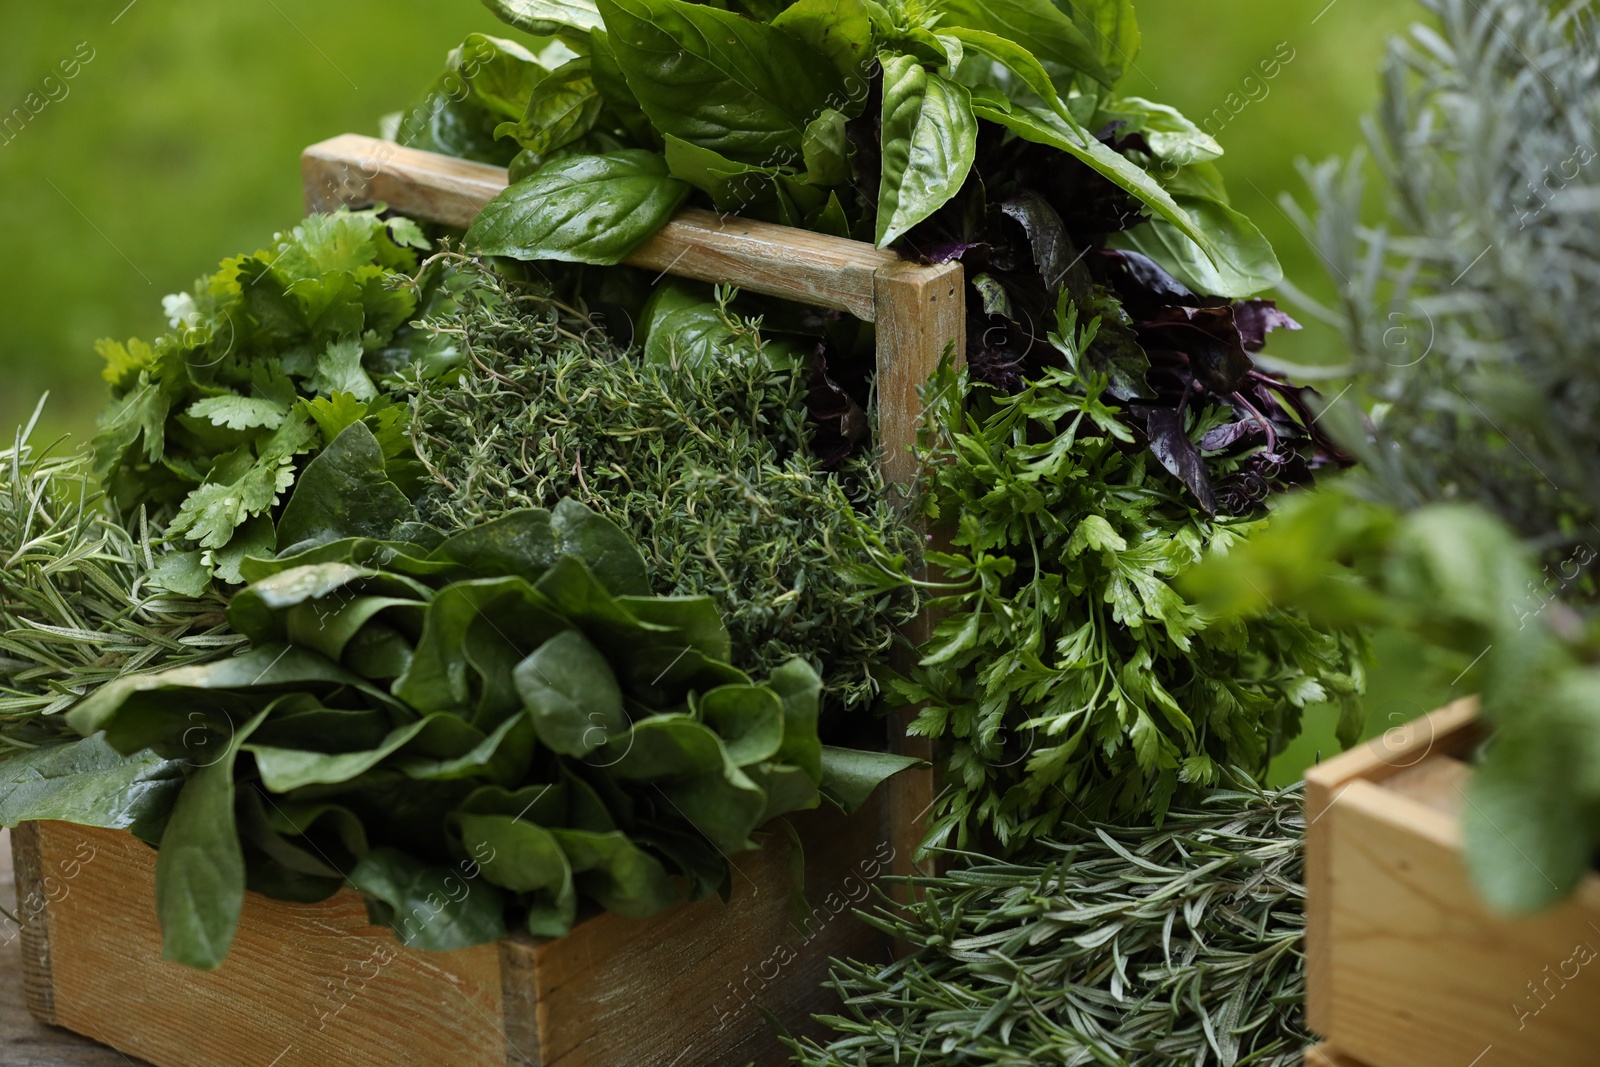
(1129, 945)
(77, 607)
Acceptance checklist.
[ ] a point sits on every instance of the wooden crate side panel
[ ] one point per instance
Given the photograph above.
(1421, 973)
(33, 910)
(1406, 748)
(304, 986)
(682, 988)
(1327, 1056)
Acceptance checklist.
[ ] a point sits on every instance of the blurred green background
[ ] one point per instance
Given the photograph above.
(176, 145)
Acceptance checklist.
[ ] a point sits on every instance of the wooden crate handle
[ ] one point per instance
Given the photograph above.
(919, 310)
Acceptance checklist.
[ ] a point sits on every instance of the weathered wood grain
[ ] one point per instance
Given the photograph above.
(1326, 1056)
(315, 984)
(779, 261)
(1408, 968)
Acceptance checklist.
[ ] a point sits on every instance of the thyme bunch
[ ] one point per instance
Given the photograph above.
(1117, 945)
(705, 463)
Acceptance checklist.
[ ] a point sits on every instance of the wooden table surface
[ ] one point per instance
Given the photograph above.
(23, 1042)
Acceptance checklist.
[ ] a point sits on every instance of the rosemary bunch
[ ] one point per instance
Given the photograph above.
(1129, 945)
(704, 462)
(78, 607)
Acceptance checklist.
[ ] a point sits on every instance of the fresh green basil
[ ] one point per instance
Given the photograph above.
(585, 209)
(719, 80)
(930, 138)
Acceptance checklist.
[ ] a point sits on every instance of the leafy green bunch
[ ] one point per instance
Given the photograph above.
(503, 719)
(1463, 583)
(1068, 677)
(753, 110)
(80, 603)
(697, 443)
(1121, 944)
(265, 363)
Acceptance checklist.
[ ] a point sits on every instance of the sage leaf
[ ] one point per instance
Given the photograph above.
(930, 139)
(582, 209)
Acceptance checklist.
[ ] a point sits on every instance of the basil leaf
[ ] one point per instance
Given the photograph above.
(826, 147)
(1035, 25)
(930, 140)
(584, 209)
(720, 80)
(500, 75)
(1241, 262)
(565, 108)
(200, 867)
(1113, 28)
(732, 186)
(840, 30)
(1018, 60)
(1170, 134)
(547, 18)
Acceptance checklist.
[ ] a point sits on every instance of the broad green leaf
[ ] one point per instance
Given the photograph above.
(436, 909)
(1112, 26)
(669, 746)
(840, 30)
(748, 718)
(733, 186)
(582, 209)
(501, 75)
(1241, 262)
(1016, 59)
(344, 492)
(1034, 25)
(720, 80)
(1169, 133)
(571, 695)
(90, 783)
(827, 149)
(616, 873)
(604, 548)
(726, 806)
(200, 866)
(502, 757)
(930, 139)
(547, 18)
(849, 776)
(798, 686)
(286, 769)
(437, 679)
(525, 858)
(1060, 131)
(788, 789)
(563, 109)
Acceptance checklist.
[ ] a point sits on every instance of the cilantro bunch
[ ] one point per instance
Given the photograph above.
(1068, 678)
(266, 361)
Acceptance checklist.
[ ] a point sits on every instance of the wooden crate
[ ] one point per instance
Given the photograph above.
(1406, 966)
(315, 984)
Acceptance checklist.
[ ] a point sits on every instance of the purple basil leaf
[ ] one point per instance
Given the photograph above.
(1257, 318)
(1178, 454)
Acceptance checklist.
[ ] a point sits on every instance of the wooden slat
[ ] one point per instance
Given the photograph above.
(307, 984)
(775, 260)
(1409, 968)
(1327, 1056)
(1450, 729)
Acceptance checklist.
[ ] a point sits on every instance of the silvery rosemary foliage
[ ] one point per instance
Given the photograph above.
(705, 463)
(1131, 946)
(76, 606)
(1471, 312)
